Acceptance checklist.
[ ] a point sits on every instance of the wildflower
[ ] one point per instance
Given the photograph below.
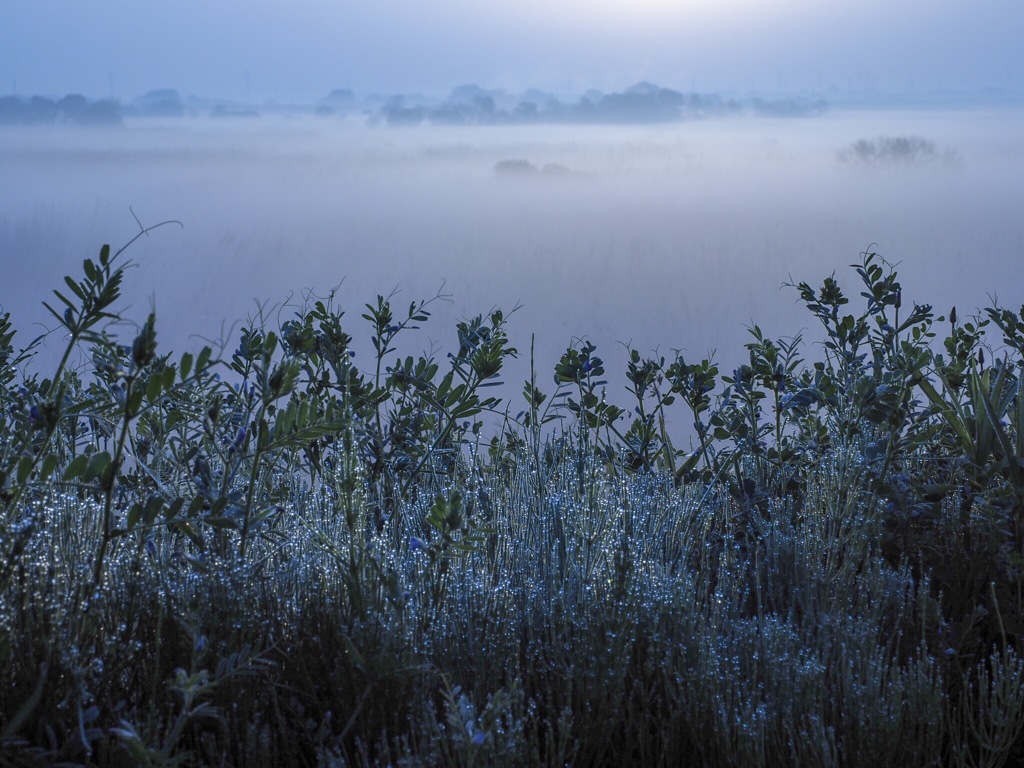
(35, 416)
(479, 738)
(416, 543)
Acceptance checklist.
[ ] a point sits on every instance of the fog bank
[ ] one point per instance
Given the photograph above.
(664, 236)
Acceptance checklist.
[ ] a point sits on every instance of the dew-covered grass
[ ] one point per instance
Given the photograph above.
(275, 557)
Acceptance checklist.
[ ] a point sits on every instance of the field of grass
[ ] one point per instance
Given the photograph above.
(282, 555)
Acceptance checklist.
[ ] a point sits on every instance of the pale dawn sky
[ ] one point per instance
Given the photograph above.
(304, 48)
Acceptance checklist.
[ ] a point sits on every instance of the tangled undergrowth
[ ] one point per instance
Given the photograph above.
(277, 557)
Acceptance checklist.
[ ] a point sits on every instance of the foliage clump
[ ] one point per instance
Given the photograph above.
(281, 556)
(896, 150)
(521, 168)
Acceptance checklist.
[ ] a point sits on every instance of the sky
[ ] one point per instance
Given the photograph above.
(301, 49)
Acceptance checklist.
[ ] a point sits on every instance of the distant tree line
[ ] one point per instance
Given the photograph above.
(642, 103)
(78, 110)
(73, 108)
(466, 105)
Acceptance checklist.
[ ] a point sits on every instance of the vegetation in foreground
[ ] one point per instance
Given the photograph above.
(280, 557)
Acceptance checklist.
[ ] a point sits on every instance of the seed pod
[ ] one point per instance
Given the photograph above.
(144, 346)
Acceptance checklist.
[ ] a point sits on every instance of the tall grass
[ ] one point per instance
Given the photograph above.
(281, 558)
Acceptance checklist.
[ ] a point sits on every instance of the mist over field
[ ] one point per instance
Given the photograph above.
(667, 236)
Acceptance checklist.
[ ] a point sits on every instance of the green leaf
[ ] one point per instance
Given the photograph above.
(74, 287)
(951, 413)
(168, 378)
(283, 424)
(70, 304)
(204, 359)
(97, 465)
(1003, 439)
(185, 366)
(155, 386)
(153, 506)
(174, 508)
(24, 469)
(134, 403)
(262, 435)
(76, 467)
(134, 515)
(49, 464)
(107, 476)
